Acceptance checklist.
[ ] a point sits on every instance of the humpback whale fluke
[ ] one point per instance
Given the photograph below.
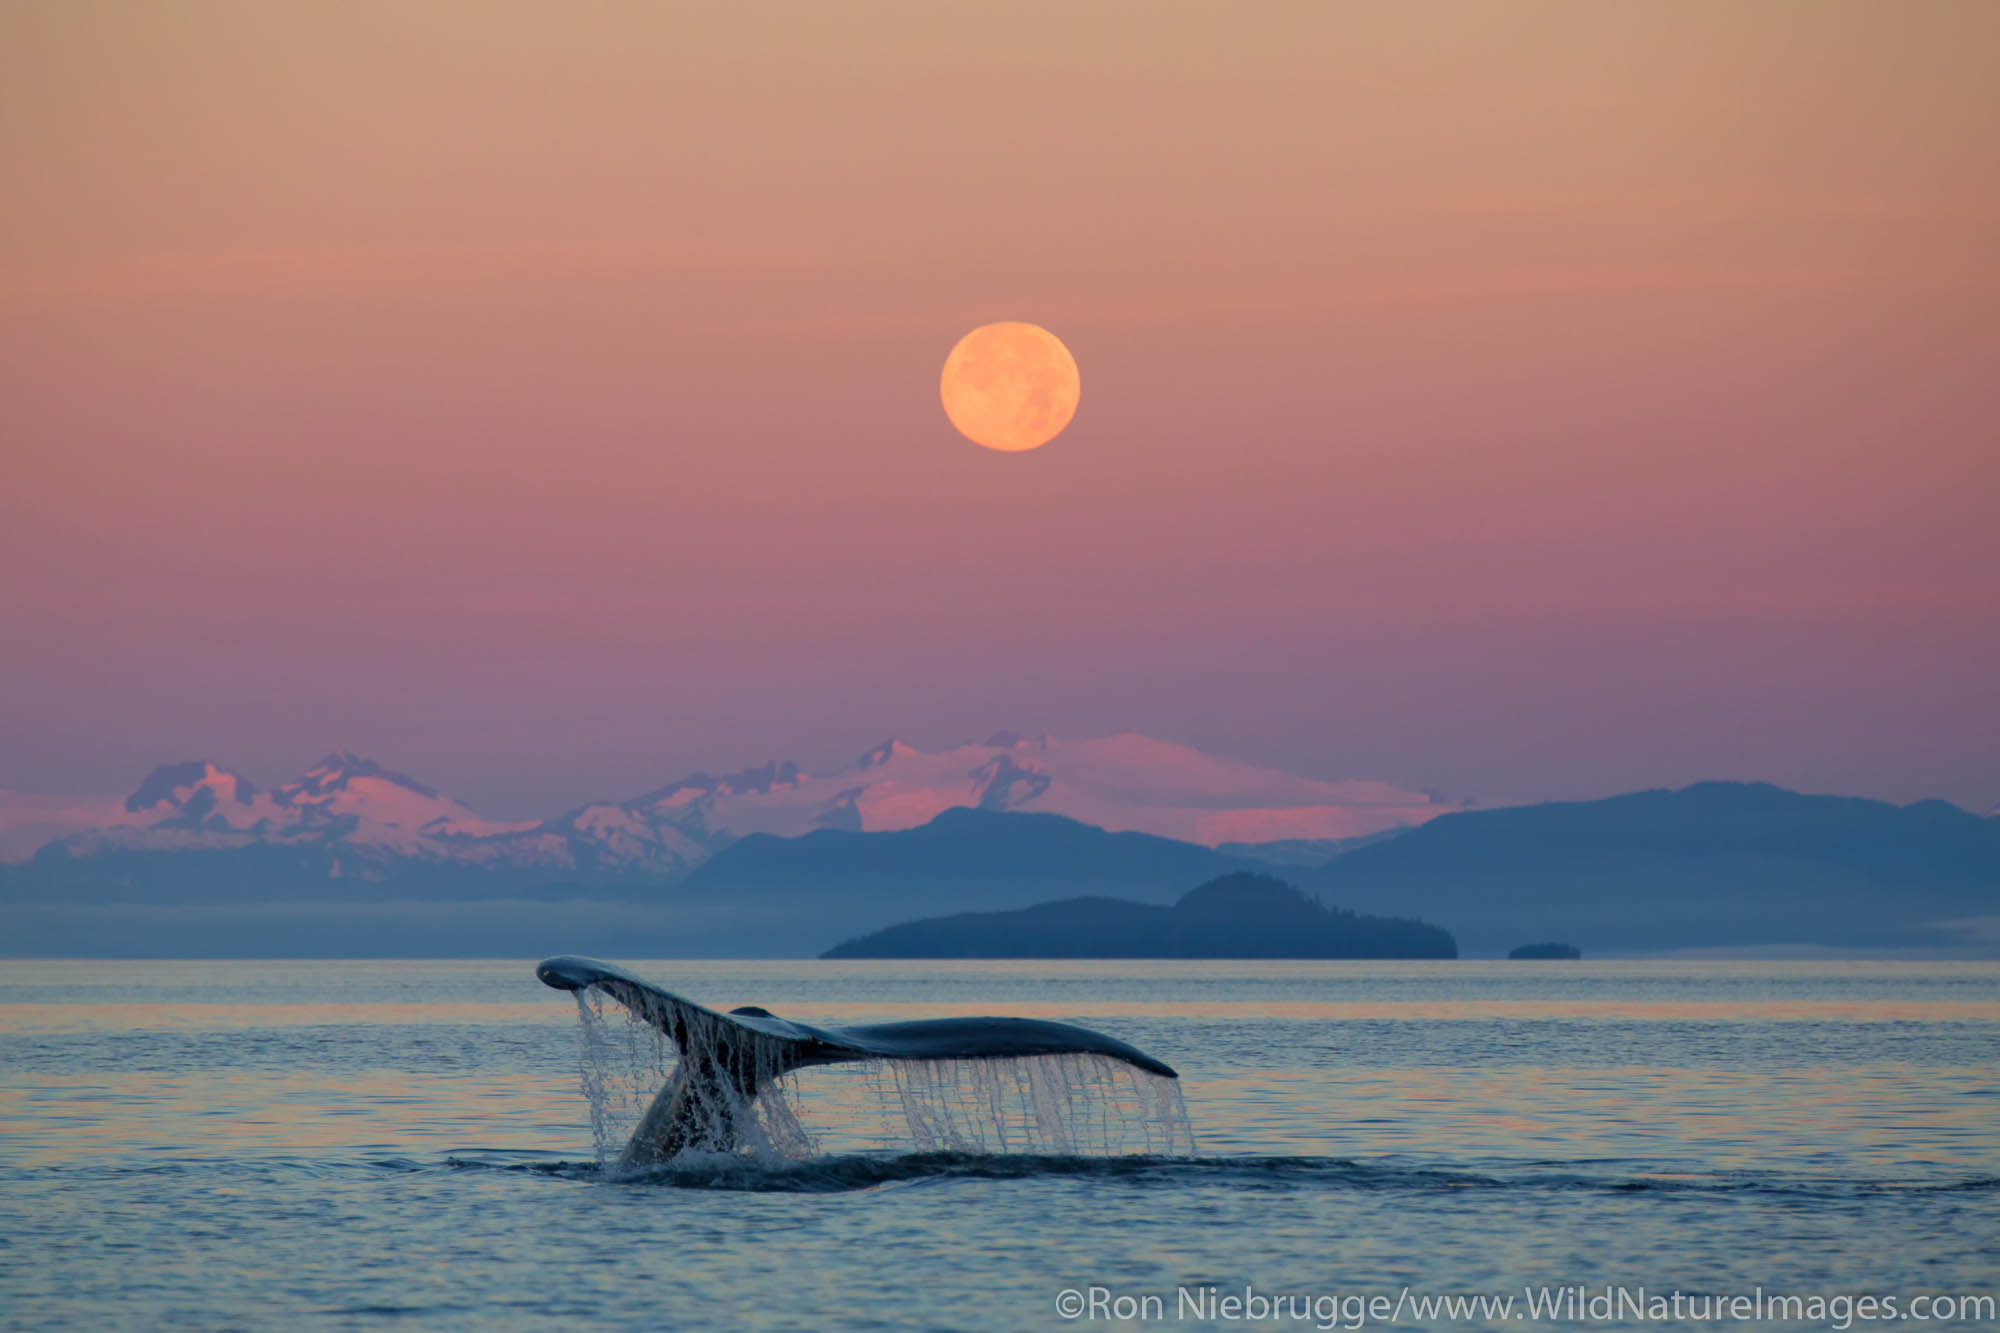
(727, 1059)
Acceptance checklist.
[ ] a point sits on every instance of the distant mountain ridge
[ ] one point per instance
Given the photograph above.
(812, 890)
(200, 805)
(763, 896)
(382, 824)
(1726, 866)
(1716, 864)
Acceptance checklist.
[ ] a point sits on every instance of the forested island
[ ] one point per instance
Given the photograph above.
(1243, 915)
(1547, 949)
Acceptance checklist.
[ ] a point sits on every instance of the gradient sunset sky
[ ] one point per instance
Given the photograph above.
(1522, 399)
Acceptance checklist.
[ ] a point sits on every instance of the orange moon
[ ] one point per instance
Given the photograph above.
(1010, 386)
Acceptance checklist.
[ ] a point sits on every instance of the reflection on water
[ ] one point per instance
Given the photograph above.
(266, 1143)
(1879, 1119)
(92, 1117)
(1882, 1065)
(197, 1016)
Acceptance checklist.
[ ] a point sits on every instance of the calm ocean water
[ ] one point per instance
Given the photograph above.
(373, 1144)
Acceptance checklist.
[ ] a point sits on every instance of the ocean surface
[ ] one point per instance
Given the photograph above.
(407, 1145)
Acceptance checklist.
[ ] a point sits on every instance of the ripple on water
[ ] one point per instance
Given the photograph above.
(277, 1144)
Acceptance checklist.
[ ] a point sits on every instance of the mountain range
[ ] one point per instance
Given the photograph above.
(352, 818)
(353, 859)
(762, 896)
(801, 894)
(1717, 865)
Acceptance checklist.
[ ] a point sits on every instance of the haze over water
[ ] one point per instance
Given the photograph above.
(369, 1144)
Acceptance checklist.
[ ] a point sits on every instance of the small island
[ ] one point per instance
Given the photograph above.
(1242, 915)
(1547, 950)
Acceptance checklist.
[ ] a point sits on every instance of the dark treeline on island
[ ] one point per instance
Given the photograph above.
(1241, 915)
(1550, 949)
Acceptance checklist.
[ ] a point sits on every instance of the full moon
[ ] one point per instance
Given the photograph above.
(1010, 386)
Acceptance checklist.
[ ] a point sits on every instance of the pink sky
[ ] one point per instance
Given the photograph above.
(1522, 400)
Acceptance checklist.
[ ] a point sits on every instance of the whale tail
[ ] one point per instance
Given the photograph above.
(727, 1059)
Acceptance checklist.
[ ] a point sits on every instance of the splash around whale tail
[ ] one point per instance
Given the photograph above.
(727, 1059)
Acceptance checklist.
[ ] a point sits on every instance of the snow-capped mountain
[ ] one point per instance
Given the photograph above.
(30, 820)
(202, 805)
(1122, 782)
